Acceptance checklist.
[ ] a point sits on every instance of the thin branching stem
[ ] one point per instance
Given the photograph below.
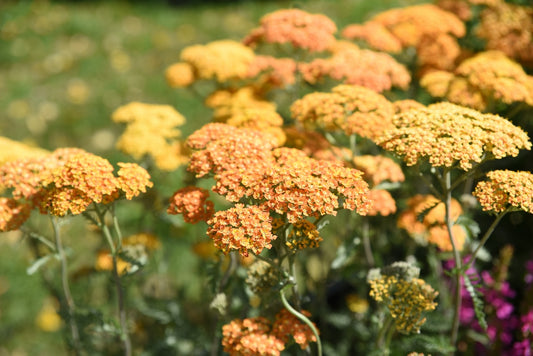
(74, 331)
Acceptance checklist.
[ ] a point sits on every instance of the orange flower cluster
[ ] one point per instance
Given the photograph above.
(432, 228)
(277, 72)
(350, 108)
(508, 28)
(382, 203)
(241, 228)
(192, 203)
(69, 180)
(482, 80)
(219, 60)
(430, 29)
(303, 234)
(259, 336)
(450, 135)
(151, 130)
(227, 103)
(506, 190)
(378, 169)
(373, 70)
(13, 214)
(312, 32)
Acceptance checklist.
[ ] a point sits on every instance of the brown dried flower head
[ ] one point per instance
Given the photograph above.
(448, 135)
(506, 190)
(312, 32)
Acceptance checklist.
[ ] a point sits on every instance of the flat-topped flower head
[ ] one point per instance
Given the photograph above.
(11, 150)
(13, 214)
(222, 60)
(375, 35)
(363, 67)
(312, 32)
(133, 179)
(448, 135)
(192, 203)
(350, 108)
(241, 228)
(505, 190)
(272, 71)
(490, 76)
(251, 336)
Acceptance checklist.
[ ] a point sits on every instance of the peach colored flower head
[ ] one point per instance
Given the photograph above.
(452, 136)
(489, 77)
(219, 60)
(382, 203)
(227, 103)
(401, 106)
(439, 236)
(179, 75)
(277, 72)
(375, 34)
(505, 190)
(439, 52)
(350, 108)
(241, 228)
(363, 67)
(312, 32)
(378, 169)
(133, 179)
(13, 214)
(250, 336)
(193, 203)
(286, 324)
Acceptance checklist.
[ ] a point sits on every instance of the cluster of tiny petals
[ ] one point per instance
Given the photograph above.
(350, 108)
(287, 324)
(264, 120)
(303, 234)
(133, 179)
(220, 60)
(312, 32)
(192, 203)
(274, 71)
(506, 189)
(13, 214)
(241, 228)
(382, 203)
(489, 76)
(228, 103)
(373, 70)
(378, 169)
(250, 337)
(448, 135)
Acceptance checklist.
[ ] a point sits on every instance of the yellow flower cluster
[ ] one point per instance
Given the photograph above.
(432, 228)
(350, 108)
(219, 60)
(481, 81)
(264, 120)
(405, 298)
(11, 150)
(151, 130)
(303, 234)
(147, 240)
(506, 190)
(312, 32)
(452, 136)
(373, 70)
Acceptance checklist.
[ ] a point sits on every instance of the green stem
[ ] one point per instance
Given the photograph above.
(39, 238)
(124, 335)
(366, 243)
(384, 333)
(66, 288)
(304, 319)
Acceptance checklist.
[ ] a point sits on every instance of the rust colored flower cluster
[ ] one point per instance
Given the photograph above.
(431, 30)
(508, 28)
(151, 130)
(259, 336)
(373, 70)
(193, 203)
(449, 135)
(303, 234)
(350, 108)
(432, 228)
(406, 297)
(272, 71)
(312, 32)
(13, 214)
(69, 180)
(505, 190)
(481, 81)
(219, 60)
(241, 228)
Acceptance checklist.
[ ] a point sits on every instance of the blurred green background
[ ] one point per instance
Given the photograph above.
(66, 66)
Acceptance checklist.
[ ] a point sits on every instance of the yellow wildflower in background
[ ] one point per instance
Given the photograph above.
(48, 319)
(449, 135)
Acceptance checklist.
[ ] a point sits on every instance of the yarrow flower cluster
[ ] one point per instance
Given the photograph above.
(260, 336)
(378, 169)
(11, 150)
(481, 81)
(312, 32)
(405, 295)
(192, 203)
(505, 190)
(151, 130)
(303, 234)
(69, 180)
(432, 227)
(350, 108)
(449, 135)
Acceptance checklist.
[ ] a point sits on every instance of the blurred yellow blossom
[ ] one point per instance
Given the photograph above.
(48, 319)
